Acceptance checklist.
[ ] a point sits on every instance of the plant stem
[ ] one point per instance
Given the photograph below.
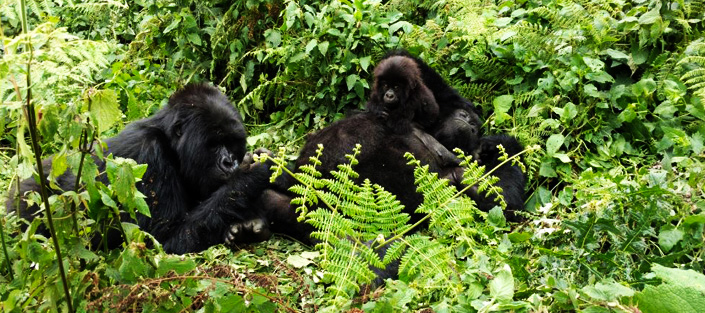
(4, 251)
(31, 118)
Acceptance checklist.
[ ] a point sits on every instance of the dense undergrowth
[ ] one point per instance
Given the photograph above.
(611, 93)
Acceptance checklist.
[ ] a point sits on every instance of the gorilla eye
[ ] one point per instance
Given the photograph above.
(396, 87)
(464, 114)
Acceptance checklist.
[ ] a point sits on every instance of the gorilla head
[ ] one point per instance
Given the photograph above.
(399, 95)
(459, 129)
(207, 135)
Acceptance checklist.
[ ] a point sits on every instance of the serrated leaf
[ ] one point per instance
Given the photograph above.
(686, 278)
(298, 261)
(670, 298)
(554, 143)
(323, 47)
(502, 285)
(311, 44)
(668, 238)
(350, 81)
(104, 109)
(608, 291)
(273, 37)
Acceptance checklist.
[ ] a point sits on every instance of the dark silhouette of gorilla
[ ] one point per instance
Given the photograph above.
(447, 98)
(385, 140)
(391, 126)
(399, 95)
(458, 130)
(458, 125)
(198, 181)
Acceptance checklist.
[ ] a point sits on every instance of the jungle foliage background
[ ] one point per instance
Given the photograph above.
(610, 91)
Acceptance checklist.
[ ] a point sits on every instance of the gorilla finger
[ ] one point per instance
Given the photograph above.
(264, 150)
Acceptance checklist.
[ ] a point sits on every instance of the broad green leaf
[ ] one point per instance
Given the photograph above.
(617, 55)
(104, 109)
(502, 104)
(562, 156)
(668, 238)
(351, 80)
(666, 109)
(365, 62)
(496, 217)
(696, 108)
(502, 285)
(173, 263)
(323, 47)
(600, 77)
(554, 143)
(651, 16)
(608, 291)
(670, 298)
(644, 87)
(174, 24)
(547, 169)
(311, 44)
(273, 38)
(298, 261)
(58, 164)
(686, 278)
(194, 38)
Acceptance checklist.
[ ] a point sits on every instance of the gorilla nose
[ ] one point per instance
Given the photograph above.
(228, 164)
(389, 96)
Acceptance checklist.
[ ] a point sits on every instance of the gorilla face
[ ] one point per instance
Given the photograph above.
(399, 95)
(390, 92)
(209, 140)
(460, 129)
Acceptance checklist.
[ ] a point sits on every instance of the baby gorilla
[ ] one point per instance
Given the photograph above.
(399, 95)
(198, 181)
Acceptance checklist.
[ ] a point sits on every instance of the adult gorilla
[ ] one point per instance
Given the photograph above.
(457, 130)
(386, 131)
(198, 179)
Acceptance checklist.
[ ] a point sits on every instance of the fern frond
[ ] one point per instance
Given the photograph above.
(423, 253)
(347, 266)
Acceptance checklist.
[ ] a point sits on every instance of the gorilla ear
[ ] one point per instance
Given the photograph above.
(176, 129)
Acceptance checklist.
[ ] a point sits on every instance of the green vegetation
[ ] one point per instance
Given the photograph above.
(609, 96)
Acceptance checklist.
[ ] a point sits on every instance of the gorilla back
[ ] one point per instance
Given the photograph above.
(198, 180)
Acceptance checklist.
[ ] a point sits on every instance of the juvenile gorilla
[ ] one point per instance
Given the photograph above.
(399, 95)
(447, 98)
(458, 125)
(198, 179)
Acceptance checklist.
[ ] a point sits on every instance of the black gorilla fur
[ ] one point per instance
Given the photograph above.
(447, 98)
(458, 125)
(386, 131)
(399, 95)
(198, 181)
(458, 130)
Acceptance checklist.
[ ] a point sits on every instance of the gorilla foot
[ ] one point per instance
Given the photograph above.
(255, 230)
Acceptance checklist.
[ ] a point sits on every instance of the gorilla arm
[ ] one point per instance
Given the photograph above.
(184, 224)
